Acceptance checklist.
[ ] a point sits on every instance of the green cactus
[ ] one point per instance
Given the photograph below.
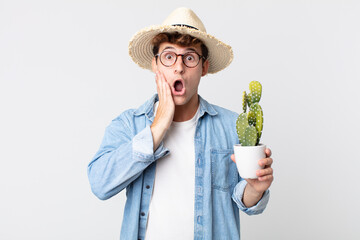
(251, 117)
(250, 136)
(244, 101)
(259, 120)
(249, 125)
(255, 91)
(241, 125)
(249, 100)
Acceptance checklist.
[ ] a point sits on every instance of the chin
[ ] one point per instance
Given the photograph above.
(184, 99)
(180, 100)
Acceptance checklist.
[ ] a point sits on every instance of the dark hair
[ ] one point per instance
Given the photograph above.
(184, 40)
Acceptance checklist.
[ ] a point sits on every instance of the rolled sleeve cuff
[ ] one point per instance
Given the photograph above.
(256, 209)
(143, 145)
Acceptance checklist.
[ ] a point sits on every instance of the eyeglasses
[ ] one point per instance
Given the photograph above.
(190, 59)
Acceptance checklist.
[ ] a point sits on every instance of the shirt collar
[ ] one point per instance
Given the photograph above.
(148, 108)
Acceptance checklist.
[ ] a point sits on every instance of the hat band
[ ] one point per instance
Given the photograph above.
(184, 25)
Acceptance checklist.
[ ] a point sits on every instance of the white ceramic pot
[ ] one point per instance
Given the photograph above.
(247, 158)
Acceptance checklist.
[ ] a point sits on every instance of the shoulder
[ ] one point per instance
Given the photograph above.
(146, 109)
(221, 116)
(125, 115)
(224, 112)
(216, 111)
(225, 118)
(122, 124)
(223, 124)
(224, 115)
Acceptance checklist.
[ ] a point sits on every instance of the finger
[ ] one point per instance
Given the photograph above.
(168, 89)
(157, 77)
(264, 172)
(266, 178)
(265, 162)
(165, 85)
(233, 158)
(162, 77)
(162, 85)
(268, 152)
(157, 80)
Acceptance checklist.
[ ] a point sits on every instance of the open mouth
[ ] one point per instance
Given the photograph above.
(178, 88)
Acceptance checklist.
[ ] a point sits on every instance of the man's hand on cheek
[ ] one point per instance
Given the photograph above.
(165, 111)
(166, 108)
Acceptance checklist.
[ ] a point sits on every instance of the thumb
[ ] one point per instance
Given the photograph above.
(233, 158)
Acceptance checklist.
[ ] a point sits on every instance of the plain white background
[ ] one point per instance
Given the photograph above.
(65, 74)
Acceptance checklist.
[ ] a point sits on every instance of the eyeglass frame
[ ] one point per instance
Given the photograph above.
(182, 58)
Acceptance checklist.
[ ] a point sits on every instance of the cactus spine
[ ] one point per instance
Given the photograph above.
(249, 125)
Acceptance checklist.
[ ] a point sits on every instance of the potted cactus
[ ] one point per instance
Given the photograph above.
(249, 127)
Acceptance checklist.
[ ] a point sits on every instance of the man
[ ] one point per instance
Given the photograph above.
(174, 153)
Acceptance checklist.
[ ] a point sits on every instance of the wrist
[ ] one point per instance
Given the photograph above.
(159, 126)
(253, 192)
(158, 132)
(251, 197)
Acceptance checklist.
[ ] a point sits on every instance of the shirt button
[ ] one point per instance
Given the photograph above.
(142, 214)
(147, 186)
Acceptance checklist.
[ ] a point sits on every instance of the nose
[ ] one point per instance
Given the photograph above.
(179, 66)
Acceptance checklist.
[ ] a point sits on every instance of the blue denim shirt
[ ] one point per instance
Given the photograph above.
(126, 160)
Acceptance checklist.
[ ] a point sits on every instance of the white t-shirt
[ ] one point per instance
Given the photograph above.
(171, 211)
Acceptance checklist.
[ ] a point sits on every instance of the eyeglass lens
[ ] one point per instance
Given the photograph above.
(190, 59)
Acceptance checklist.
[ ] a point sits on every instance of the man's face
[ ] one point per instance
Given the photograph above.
(183, 81)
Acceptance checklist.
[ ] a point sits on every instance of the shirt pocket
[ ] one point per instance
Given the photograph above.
(224, 175)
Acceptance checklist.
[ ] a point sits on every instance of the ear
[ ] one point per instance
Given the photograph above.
(154, 65)
(205, 68)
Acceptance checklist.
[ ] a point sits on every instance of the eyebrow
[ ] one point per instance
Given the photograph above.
(187, 49)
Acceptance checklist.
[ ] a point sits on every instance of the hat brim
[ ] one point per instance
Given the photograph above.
(141, 49)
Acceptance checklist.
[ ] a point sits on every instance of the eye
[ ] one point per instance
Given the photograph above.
(190, 57)
(168, 55)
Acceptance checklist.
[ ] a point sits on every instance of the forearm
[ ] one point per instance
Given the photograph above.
(158, 133)
(111, 172)
(120, 160)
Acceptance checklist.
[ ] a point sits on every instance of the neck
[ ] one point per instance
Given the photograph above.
(187, 111)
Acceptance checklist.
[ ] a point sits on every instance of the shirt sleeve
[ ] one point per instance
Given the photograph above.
(143, 146)
(122, 157)
(254, 210)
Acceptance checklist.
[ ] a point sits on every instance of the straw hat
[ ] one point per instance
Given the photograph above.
(184, 21)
